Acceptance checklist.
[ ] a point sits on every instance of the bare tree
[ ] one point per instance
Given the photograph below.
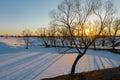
(26, 35)
(104, 36)
(53, 35)
(43, 35)
(96, 29)
(113, 30)
(72, 13)
(63, 35)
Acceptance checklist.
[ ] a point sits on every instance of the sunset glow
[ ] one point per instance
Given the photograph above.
(87, 31)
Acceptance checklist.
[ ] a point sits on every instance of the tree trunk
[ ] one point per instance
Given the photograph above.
(54, 42)
(62, 43)
(46, 45)
(94, 45)
(76, 61)
(103, 42)
(113, 47)
(74, 64)
(113, 41)
(27, 43)
(70, 43)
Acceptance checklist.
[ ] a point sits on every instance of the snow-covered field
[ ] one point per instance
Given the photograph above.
(17, 63)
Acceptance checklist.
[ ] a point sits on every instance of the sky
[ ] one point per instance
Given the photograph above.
(17, 15)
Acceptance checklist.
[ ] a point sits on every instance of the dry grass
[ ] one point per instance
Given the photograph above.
(105, 74)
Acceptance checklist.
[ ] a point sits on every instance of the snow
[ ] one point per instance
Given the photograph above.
(61, 67)
(13, 42)
(17, 63)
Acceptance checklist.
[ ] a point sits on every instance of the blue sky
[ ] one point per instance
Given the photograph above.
(17, 15)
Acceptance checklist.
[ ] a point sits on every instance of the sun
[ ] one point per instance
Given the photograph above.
(87, 31)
